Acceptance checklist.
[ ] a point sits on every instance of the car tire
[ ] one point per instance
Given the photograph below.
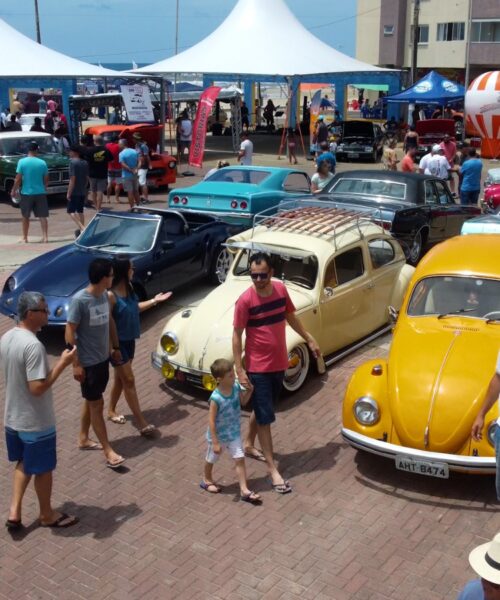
(415, 250)
(221, 263)
(296, 375)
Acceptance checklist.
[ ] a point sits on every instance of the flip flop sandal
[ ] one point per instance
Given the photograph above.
(115, 465)
(251, 498)
(63, 521)
(282, 488)
(148, 431)
(257, 455)
(119, 420)
(93, 446)
(204, 486)
(13, 524)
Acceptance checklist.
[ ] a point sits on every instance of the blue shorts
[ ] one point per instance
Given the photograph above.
(127, 350)
(35, 449)
(267, 389)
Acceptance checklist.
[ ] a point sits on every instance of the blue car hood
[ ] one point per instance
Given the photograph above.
(61, 272)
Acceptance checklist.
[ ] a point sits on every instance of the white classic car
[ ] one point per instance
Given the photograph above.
(341, 269)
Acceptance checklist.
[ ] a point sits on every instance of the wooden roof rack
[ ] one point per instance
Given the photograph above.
(317, 217)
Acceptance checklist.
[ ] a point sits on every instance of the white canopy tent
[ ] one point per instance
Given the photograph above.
(23, 57)
(260, 37)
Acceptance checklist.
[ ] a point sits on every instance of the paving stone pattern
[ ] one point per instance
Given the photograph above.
(353, 528)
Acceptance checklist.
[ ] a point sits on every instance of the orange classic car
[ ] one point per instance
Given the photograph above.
(163, 166)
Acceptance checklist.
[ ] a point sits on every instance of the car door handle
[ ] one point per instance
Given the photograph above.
(369, 285)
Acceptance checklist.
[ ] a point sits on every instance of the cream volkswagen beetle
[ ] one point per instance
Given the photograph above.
(342, 271)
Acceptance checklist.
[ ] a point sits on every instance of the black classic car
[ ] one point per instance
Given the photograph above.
(418, 210)
(169, 249)
(360, 140)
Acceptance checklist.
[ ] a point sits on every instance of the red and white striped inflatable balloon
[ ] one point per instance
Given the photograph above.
(482, 105)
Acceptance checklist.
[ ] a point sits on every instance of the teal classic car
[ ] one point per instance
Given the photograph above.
(14, 146)
(236, 194)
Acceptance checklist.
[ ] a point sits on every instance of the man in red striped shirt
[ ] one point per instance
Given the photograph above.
(263, 312)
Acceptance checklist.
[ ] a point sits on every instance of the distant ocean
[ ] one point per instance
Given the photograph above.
(120, 66)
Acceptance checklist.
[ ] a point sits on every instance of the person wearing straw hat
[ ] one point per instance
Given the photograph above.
(485, 560)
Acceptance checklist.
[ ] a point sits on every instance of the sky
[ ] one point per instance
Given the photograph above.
(122, 31)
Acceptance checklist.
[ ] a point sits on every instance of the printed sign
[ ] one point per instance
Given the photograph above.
(137, 103)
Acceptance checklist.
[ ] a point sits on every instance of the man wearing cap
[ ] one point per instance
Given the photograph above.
(144, 164)
(485, 560)
(438, 165)
(32, 179)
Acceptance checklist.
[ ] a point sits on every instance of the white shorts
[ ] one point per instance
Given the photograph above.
(234, 447)
(142, 174)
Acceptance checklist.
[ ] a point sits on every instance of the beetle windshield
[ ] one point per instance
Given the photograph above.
(472, 296)
(19, 146)
(112, 233)
(300, 271)
(231, 175)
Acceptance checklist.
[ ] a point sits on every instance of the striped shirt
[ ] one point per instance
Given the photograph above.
(264, 322)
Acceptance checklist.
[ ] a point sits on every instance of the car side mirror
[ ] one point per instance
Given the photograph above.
(393, 313)
(168, 245)
(328, 291)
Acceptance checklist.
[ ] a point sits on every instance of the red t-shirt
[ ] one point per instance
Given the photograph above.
(450, 151)
(264, 321)
(407, 164)
(114, 148)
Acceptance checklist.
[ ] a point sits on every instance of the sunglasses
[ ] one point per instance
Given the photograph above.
(45, 310)
(256, 276)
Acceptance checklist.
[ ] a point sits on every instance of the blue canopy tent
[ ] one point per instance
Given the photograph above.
(431, 89)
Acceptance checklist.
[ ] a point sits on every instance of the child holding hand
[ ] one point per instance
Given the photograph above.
(224, 428)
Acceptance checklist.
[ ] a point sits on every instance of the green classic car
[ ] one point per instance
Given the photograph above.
(14, 146)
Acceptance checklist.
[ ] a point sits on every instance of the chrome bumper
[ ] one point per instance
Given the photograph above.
(216, 213)
(470, 464)
(192, 376)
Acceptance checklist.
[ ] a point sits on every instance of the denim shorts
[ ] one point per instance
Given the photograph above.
(35, 449)
(127, 350)
(267, 389)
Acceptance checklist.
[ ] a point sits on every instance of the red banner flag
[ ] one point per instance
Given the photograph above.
(207, 100)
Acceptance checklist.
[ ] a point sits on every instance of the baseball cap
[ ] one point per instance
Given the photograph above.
(436, 148)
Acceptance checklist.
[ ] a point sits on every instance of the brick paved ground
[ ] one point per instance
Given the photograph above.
(354, 528)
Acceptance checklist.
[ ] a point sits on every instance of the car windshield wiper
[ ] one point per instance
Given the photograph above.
(456, 312)
(109, 245)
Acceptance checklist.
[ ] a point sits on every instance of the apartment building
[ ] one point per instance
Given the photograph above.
(385, 35)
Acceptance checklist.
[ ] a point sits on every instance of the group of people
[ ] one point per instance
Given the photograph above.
(93, 165)
(444, 160)
(102, 328)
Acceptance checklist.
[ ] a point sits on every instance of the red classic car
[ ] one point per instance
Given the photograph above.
(163, 166)
(432, 131)
(492, 191)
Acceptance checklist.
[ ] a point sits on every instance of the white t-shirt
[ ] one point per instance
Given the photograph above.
(437, 166)
(321, 182)
(186, 130)
(424, 162)
(246, 146)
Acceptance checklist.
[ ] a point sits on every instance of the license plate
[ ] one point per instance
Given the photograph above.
(421, 467)
(57, 189)
(353, 155)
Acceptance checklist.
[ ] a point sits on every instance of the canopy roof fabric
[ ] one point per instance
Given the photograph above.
(431, 89)
(23, 57)
(264, 38)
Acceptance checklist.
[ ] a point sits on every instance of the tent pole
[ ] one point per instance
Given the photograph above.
(37, 19)
(162, 114)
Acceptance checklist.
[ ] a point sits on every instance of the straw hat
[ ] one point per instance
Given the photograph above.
(485, 560)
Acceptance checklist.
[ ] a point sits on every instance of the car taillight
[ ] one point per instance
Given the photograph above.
(386, 225)
(243, 205)
(176, 199)
(234, 204)
(184, 200)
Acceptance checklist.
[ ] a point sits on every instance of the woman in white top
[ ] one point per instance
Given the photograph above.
(321, 178)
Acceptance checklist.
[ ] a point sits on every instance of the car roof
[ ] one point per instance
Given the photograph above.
(382, 175)
(474, 254)
(5, 135)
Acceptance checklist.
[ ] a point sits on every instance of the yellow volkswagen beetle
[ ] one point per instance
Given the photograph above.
(417, 407)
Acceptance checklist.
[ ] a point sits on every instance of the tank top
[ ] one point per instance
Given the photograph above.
(126, 316)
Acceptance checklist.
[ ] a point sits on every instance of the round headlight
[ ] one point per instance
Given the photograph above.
(168, 371)
(492, 427)
(169, 342)
(208, 382)
(10, 284)
(171, 164)
(366, 411)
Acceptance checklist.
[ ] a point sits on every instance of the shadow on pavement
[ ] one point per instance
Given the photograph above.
(135, 445)
(322, 458)
(457, 492)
